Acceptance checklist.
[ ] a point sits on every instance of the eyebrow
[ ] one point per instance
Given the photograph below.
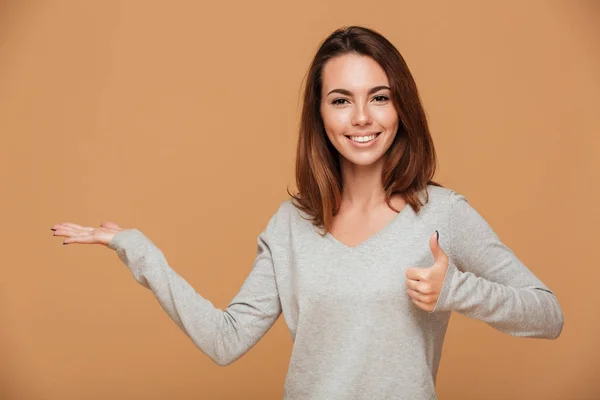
(349, 93)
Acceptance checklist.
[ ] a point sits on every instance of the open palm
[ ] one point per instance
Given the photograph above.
(86, 235)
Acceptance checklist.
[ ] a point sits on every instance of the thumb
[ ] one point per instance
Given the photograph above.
(434, 245)
(108, 224)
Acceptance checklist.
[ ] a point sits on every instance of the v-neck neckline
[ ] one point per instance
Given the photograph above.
(405, 210)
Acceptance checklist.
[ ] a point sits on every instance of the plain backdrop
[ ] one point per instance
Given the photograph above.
(180, 118)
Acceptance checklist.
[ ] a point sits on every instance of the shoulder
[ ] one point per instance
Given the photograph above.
(287, 210)
(284, 216)
(439, 198)
(443, 204)
(286, 224)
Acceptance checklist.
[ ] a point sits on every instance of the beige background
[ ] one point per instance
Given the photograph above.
(180, 118)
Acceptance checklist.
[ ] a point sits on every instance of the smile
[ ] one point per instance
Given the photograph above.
(362, 140)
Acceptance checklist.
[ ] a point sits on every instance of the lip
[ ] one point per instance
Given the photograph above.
(363, 145)
(363, 134)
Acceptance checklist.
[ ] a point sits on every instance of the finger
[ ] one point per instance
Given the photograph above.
(419, 286)
(83, 239)
(434, 244)
(71, 228)
(423, 298)
(417, 274)
(72, 225)
(67, 231)
(423, 306)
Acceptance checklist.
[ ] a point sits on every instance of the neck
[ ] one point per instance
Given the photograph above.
(362, 188)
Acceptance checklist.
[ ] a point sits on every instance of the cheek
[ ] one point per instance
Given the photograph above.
(387, 117)
(336, 122)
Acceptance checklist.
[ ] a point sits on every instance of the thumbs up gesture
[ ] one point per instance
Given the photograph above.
(424, 285)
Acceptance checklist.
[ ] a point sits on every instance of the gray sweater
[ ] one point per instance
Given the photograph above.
(356, 332)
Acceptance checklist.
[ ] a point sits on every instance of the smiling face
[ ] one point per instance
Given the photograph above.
(358, 114)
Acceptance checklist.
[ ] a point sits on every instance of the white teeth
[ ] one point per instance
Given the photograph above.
(363, 139)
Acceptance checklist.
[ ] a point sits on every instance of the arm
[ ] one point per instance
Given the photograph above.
(486, 281)
(223, 335)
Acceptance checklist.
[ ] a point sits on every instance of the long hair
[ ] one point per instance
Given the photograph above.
(410, 162)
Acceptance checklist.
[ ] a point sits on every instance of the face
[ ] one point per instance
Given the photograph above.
(359, 116)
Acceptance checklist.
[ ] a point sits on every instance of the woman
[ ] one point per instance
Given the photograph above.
(367, 261)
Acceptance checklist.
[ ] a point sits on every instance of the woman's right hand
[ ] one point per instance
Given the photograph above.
(85, 235)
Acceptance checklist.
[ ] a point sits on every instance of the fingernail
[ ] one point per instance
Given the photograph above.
(438, 235)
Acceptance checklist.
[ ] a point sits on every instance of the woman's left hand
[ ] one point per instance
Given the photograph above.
(424, 285)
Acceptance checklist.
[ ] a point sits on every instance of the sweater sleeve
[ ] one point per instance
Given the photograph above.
(223, 335)
(486, 281)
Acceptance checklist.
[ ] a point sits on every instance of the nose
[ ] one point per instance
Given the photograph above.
(361, 116)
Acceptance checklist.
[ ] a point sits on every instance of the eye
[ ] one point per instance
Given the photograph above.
(337, 101)
(382, 97)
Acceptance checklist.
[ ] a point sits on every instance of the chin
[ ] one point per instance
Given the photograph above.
(364, 160)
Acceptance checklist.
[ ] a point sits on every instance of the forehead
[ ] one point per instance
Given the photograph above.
(352, 72)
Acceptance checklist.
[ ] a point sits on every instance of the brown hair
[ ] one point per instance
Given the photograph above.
(410, 162)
